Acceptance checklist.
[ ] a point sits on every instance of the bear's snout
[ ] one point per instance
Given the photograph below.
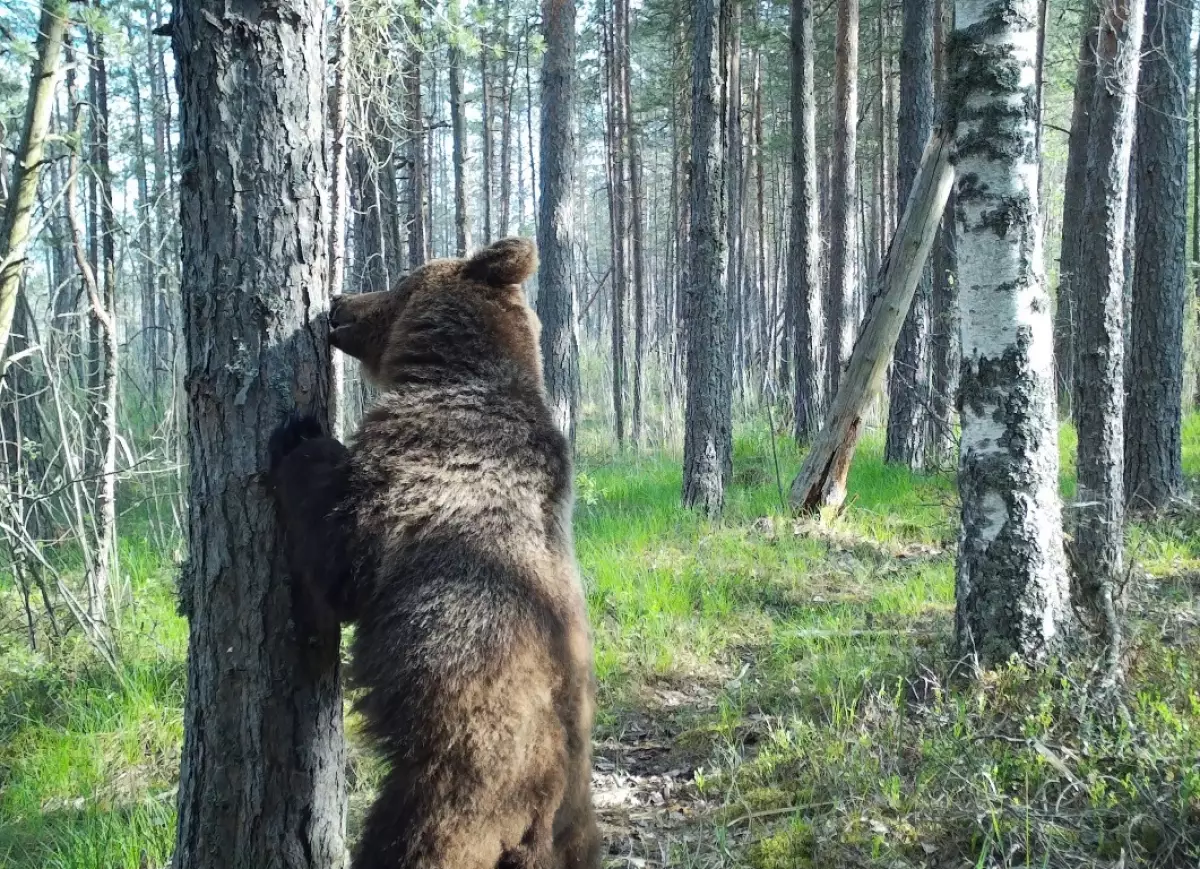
(337, 313)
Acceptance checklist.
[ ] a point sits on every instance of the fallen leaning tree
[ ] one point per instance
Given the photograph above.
(822, 478)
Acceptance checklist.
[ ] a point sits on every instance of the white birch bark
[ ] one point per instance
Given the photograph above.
(1011, 589)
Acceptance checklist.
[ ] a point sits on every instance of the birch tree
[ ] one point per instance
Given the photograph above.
(1011, 586)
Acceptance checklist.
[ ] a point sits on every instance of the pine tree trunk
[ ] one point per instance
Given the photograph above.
(458, 127)
(804, 267)
(637, 233)
(1099, 516)
(943, 305)
(1196, 176)
(508, 75)
(735, 196)
(1196, 198)
(555, 302)
(18, 212)
(1039, 78)
(771, 313)
(618, 200)
(839, 294)
(1065, 321)
(1153, 444)
(908, 385)
(163, 191)
(884, 216)
(533, 176)
(485, 109)
(1011, 587)
(147, 304)
(418, 214)
(263, 767)
(706, 449)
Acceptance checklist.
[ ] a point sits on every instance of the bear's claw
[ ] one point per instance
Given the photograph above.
(299, 427)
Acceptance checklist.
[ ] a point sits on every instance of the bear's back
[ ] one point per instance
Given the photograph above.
(463, 499)
(479, 458)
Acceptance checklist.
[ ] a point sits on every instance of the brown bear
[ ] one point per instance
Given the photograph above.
(444, 534)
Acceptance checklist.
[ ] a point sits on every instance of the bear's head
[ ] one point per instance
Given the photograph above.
(457, 314)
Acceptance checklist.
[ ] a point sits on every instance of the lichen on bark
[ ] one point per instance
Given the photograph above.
(1011, 582)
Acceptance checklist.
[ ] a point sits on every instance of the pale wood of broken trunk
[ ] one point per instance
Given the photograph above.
(822, 479)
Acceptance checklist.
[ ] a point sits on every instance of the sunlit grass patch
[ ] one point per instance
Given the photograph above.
(804, 667)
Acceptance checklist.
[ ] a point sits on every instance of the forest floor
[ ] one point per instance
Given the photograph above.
(774, 693)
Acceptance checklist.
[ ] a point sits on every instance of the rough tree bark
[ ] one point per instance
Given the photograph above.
(418, 211)
(163, 192)
(1011, 590)
(1039, 77)
(503, 105)
(637, 250)
(884, 119)
(147, 304)
(735, 195)
(943, 304)
(707, 422)
(27, 168)
(822, 478)
(1073, 195)
(618, 202)
(1196, 187)
(533, 176)
(1153, 443)
(458, 131)
(773, 345)
(485, 109)
(263, 768)
(1099, 515)
(908, 384)
(555, 301)
(804, 275)
(839, 297)
(1196, 199)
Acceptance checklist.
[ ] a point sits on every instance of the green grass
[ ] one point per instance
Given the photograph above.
(814, 700)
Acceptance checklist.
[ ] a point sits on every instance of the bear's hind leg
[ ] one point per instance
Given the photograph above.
(435, 830)
(576, 837)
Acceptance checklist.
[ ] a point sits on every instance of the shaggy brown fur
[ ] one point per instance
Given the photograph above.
(444, 532)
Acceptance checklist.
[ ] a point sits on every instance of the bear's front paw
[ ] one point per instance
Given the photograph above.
(285, 439)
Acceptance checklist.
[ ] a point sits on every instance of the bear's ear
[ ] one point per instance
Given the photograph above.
(504, 263)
